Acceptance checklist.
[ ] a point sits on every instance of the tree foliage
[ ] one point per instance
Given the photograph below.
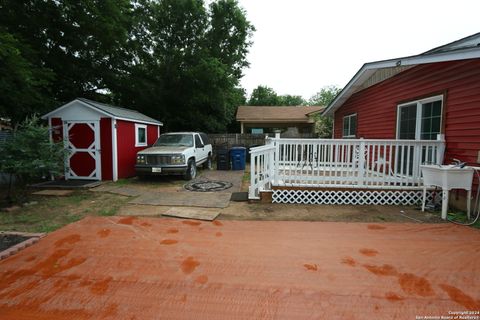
(324, 96)
(179, 61)
(266, 96)
(263, 96)
(324, 124)
(30, 154)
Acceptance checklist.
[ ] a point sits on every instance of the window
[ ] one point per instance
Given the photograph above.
(420, 120)
(204, 138)
(140, 135)
(198, 142)
(175, 139)
(350, 126)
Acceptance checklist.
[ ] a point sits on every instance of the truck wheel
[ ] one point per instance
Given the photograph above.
(191, 170)
(208, 164)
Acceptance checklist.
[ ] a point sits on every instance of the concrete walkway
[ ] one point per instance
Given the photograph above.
(166, 195)
(146, 268)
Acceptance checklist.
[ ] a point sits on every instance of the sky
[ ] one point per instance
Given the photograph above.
(300, 46)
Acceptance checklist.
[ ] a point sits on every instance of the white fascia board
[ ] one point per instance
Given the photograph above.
(51, 113)
(369, 68)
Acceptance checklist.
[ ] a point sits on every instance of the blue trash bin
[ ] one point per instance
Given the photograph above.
(237, 158)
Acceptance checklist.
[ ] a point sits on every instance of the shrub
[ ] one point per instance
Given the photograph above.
(30, 155)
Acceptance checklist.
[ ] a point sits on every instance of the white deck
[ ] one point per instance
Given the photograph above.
(349, 164)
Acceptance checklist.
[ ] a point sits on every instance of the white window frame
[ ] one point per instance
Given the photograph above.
(418, 123)
(138, 143)
(349, 125)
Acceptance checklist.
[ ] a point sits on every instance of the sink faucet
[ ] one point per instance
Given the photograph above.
(458, 163)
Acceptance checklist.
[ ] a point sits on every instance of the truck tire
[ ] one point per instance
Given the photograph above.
(208, 164)
(191, 170)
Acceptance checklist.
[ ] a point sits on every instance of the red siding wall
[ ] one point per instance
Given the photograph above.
(106, 147)
(376, 106)
(126, 150)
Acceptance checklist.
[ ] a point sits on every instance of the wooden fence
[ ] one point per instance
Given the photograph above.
(248, 140)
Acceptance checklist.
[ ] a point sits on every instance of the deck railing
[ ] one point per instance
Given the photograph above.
(261, 169)
(344, 163)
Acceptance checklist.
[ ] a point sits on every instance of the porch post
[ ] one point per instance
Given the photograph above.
(276, 158)
(440, 148)
(361, 163)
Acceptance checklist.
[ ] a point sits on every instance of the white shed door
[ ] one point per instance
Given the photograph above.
(82, 139)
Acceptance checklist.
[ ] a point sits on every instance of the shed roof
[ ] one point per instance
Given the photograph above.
(374, 72)
(274, 113)
(113, 111)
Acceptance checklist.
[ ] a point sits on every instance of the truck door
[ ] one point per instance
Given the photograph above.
(200, 152)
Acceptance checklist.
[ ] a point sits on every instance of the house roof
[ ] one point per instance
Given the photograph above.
(374, 72)
(113, 111)
(275, 113)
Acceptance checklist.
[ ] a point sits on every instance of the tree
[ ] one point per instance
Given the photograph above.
(69, 48)
(176, 60)
(189, 65)
(263, 96)
(30, 155)
(266, 96)
(289, 100)
(324, 124)
(324, 96)
(23, 85)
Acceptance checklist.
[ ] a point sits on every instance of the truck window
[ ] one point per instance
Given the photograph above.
(204, 138)
(198, 142)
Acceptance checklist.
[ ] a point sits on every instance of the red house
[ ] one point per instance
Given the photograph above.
(103, 140)
(417, 97)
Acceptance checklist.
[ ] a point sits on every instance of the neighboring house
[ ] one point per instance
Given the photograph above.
(103, 139)
(417, 97)
(293, 120)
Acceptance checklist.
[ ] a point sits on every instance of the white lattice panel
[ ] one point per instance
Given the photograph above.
(351, 197)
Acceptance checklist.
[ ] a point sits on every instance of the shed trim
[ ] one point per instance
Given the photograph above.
(105, 113)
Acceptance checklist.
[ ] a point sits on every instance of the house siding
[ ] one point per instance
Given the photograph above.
(126, 150)
(376, 106)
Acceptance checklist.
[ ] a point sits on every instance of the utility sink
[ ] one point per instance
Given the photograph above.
(447, 177)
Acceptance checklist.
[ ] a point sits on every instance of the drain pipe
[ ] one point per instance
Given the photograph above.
(476, 208)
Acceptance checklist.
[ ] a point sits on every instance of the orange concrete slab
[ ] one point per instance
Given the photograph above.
(148, 268)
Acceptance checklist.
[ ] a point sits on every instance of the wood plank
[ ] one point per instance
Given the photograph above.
(193, 213)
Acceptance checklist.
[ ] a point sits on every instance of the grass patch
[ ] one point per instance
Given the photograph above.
(51, 213)
(461, 217)
(108, 212)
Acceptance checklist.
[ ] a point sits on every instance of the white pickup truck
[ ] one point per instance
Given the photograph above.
(175, 153)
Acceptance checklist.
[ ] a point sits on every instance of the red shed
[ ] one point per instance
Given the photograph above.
(103, 139)
(417, 97)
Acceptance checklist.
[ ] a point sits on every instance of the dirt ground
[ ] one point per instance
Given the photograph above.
(45, 214)
(148, 268)
(289, 212)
